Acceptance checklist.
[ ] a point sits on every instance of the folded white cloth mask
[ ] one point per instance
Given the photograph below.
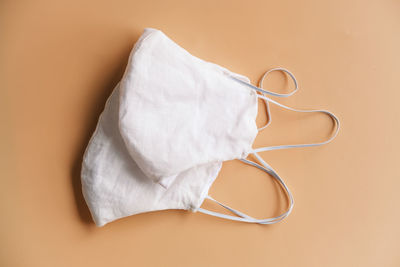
(166, 129)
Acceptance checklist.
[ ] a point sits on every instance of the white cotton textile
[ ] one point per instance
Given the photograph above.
(115, 187)
(166, 129)
(178, 111)
(164, 132)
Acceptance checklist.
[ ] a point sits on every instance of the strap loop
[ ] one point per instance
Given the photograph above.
(246, 218)
(335, 119)
(296, 86)
(267, 100)
(264, 166)
(260, 85)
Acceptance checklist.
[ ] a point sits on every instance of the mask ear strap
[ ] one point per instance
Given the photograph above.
(260, 85)
(242, 217)
(335, 119)
(269, 100)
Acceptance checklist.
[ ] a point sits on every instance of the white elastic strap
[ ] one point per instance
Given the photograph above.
(238, 213)
(336, 120)
(245, 218)
(260, 85)
(263, 91)
(262, 96)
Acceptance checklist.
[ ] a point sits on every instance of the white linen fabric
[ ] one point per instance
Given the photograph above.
(115, 187)
(178, 111)
(166, 129)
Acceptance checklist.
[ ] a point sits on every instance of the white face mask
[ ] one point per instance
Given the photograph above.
(166, 129)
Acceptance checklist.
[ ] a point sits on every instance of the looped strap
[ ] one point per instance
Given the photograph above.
(261, 86)
(264, 166)
(242, 217)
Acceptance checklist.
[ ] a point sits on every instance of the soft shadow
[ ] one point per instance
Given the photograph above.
(96, 106)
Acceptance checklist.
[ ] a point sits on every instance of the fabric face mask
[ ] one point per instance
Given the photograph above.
(165, 131)
(115, 187)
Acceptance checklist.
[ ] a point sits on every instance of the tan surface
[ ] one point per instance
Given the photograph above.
(61, 59)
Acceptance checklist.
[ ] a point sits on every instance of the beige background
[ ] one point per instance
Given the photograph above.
(61, 59)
